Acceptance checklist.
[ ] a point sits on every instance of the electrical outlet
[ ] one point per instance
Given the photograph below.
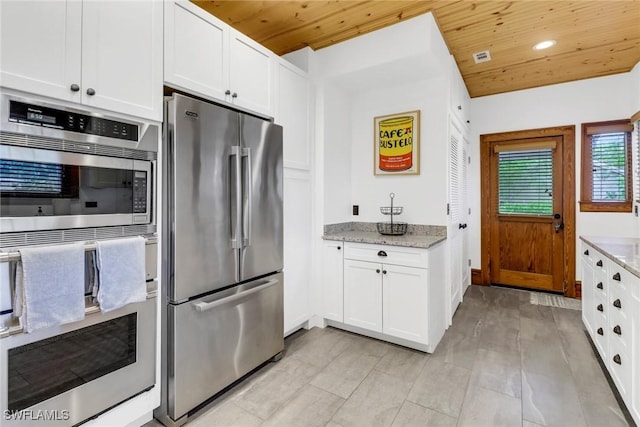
(356, 210)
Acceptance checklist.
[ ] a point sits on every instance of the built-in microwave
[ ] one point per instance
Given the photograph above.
(62, 168)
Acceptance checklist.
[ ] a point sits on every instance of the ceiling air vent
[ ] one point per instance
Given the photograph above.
(483, 56)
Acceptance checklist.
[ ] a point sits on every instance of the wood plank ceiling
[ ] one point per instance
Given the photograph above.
(594, 38)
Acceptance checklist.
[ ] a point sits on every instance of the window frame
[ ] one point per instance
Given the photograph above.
(586, 169)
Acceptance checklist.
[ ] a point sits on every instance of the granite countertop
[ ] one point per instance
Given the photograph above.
(624, 251)
(417, 236)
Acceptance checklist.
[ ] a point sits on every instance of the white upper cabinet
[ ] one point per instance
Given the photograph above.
(205, 56)
(99, 53)
(250, 74)
(195, 53)
(459, 97)
(293, 112)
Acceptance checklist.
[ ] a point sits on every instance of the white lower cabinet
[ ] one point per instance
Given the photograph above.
(405, 302)
(332, 280)
(610, 310)
(380, 297)
(363, 294)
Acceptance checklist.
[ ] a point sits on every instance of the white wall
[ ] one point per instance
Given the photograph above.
(422, 196)
(592, 100)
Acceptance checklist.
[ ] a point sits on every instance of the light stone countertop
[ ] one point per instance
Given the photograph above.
(624, 251)
(418, 236)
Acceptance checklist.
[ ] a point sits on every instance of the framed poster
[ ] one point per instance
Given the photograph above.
(396, 144)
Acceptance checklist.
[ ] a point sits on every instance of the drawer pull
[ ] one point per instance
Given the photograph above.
(617, 359)
(339, 247)
(378, 270)
(616, 277)
(617, 303)
(599, 285)
(600, 307)
(600, 331)
(586, 252)
(384, 271)
(382, 253)
(599, 263)
(617, 330)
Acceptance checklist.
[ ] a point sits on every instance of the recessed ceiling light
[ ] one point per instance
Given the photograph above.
(544, 44)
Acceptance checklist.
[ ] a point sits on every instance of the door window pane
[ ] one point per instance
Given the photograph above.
(525, 182)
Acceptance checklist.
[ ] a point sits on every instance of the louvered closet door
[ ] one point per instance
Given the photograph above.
(527, 237)
(456, 214)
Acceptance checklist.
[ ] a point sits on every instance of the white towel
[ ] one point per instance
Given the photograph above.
(50, 286)
(121, 272)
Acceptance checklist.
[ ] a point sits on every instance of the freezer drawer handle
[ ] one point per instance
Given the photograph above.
(204, 306)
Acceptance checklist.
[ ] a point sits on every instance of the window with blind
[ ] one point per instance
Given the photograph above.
(525, 182)
(606, 167)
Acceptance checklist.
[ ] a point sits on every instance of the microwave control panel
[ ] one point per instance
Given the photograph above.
(139, 192)
(37, 115)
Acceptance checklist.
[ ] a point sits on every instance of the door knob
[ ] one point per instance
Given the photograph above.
(557, 222)
(616, 277)
(586, 252)
(617, 330)
(617, 303)
(91, 91)
(74, 88)
(600, 307)
(600, 331)
(599, 285)
(378, 270)
(599, 263)
(234, 95)
(617, 359)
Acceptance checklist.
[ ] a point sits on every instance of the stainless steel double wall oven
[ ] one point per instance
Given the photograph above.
(71, 175)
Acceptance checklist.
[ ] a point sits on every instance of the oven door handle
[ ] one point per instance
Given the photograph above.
(205, 306)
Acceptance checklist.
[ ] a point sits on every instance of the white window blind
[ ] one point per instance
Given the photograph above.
(608, 167)
(525, 182)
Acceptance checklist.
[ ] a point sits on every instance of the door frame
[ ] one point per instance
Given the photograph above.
(568, 198)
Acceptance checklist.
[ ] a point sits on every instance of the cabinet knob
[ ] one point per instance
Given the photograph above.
(616, 277)
(377, 270)
(599, 285)
(91, 91)
(617, 330)
(586, 252)
(227, 92)
(459, 107)
(600, 307)
(234, 95)
(600, 331)
(339, 247)
(617, 359)
(599, 263)
(617, 303)
(384, 271)
(74, 88)
(382, 253)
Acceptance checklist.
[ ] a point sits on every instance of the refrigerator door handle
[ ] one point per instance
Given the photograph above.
(236, 190)
(247, 205)
(205, 306)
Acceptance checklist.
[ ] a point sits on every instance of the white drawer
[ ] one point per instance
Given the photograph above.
(619, 364)
(620, 329)
(397, 255)
(588, 253)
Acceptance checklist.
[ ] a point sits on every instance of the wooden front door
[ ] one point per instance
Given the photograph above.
(528, 213)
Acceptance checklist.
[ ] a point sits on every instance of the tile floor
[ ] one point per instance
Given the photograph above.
(503, 362)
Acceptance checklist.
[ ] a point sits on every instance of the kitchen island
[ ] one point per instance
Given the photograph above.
(611, 310)
(392, 288)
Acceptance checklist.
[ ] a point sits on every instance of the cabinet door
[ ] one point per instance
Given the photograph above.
(363, 294)
(405, 302)
(297, 249)
(635, 356)
(293, 99)
(196, 54)
(40, 47)
(457, 216)
(250, 74)
(122, 57)
(332, 280)
(588, 297)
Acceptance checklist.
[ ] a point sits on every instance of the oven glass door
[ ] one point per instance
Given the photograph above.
(44, 369)
(43, 189)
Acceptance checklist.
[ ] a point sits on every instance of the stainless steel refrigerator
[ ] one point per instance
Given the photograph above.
(222, 250)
